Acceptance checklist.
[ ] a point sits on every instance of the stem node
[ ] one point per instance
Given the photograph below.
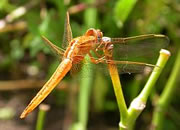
(138, 104)
(123, 126)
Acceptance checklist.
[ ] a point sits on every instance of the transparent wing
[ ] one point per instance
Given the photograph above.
(76, 68)
(58, 51)
(131, 67)
(136, 54)
(122, 66)
(67, 37)
(143, 48)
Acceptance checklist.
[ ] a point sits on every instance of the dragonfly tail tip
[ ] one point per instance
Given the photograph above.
(23, 115)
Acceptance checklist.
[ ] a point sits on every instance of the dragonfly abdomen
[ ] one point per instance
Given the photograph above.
(57, 76)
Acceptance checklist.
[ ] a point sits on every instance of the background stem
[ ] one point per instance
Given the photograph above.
(86, 83)
(166, 96)
(43, 108)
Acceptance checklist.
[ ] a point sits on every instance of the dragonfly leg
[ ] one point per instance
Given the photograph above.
(99, 47)
(96, 61)
(108, 50)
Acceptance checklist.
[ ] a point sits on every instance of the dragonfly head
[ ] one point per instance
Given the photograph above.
(96, 33)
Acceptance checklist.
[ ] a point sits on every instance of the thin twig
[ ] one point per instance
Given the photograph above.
(20, 25)
(25, 84)
(15, 14)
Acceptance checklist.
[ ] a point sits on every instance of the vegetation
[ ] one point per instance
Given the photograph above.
(89, 99)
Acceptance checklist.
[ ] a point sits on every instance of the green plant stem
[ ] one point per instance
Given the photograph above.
(129, 117)
(166, 95)
(139, 103)
(85, 89)
(163, 58)
(86, 83)
(118, 93)
(43, 108)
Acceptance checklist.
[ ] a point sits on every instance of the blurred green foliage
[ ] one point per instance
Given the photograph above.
(6, 113)
(23, 47)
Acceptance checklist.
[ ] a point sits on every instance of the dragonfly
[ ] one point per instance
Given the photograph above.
(94, 42)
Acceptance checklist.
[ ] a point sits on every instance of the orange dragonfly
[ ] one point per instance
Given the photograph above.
(94, 42)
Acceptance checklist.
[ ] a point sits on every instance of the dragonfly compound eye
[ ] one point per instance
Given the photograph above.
(99, 39)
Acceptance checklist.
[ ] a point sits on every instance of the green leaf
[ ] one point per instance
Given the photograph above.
(122, 10)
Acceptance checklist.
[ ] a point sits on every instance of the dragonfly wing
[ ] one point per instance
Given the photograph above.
(58, 51)
(125, 66)
(76, 68)
(134, 54)
(67, 37)
(132, 67)
(139, 48)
